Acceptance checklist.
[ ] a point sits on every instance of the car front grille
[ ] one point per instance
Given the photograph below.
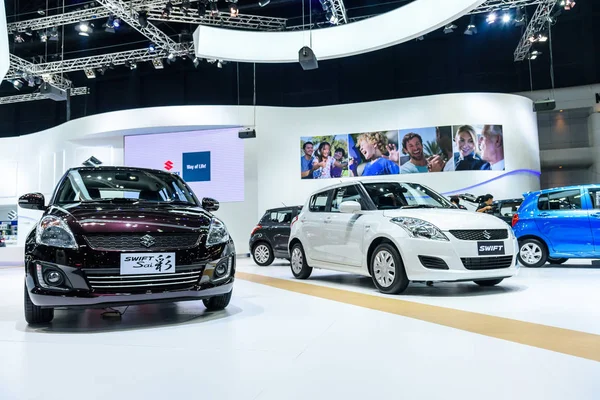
(479, 263)
(433, 262)
(133, 242)
(481, 234)
(108, 281)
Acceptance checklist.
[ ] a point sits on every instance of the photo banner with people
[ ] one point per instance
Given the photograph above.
(405, 151)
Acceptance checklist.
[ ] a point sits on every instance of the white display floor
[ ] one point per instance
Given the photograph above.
(273, 342)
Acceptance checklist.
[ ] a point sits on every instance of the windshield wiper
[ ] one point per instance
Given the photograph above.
(112, 200)
(180, 202)
(419, 206)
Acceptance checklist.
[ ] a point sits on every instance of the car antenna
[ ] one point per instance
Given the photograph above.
(283, 204)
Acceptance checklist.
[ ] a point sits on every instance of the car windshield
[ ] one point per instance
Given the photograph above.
(393, 195)
(123, 186)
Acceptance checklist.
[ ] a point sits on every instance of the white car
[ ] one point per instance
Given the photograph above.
(399, 232)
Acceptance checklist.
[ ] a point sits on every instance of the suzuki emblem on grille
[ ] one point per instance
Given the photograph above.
(487, 235)
(147, 241)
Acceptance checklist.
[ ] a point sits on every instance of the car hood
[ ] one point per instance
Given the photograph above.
(108, 218)
(449, 219)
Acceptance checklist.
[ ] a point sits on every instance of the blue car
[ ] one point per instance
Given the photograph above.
(554, 225)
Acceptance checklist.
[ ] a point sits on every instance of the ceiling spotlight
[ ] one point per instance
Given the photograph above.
(185, 4)
(43, 36)
(131, 65)
(542, 38)
(263, 3)
(567, 4)
(420, 38)
(54, 34)
(506, 18)
(214, 8)
(117, 23)
(449, 28)
(17, 84)
(166, 12)
(19, 38)
(151, 47)
(331, 17)
(84, 28)
(38, 80)
(219, 64)
(491, 18)
(143, 18)
(233, 10)
(157, 63)
(534, 54)
(201, 7)
(90, 73)
(102, 69)
(521, 18)
(41, 12)
(196, 62)
(171, 56)
(471, 28)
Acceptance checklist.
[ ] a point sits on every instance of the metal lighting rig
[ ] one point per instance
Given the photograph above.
(538, 23)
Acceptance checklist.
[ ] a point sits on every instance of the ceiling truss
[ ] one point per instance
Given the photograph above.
(129, 12)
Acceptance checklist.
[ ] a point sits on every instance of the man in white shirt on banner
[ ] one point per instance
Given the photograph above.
(491, 145)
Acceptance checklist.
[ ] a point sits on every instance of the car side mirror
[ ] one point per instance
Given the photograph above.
(210, 204)
(33, 201)
(350, 207)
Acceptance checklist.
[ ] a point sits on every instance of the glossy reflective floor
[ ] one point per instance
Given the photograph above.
(324, 338)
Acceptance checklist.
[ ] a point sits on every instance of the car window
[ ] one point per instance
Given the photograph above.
(560, 201)
(508, 209)
(318, 203)
(282, 217)
(346, 193)
(595, 198)
(393, 195)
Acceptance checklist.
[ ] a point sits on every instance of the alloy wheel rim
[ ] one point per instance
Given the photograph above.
(530, 253)
(297, 260)
(384, 268)
(261, 252)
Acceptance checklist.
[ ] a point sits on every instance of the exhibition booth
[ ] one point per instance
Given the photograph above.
(251, 175)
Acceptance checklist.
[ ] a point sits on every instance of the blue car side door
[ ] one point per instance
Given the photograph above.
(562, 216)
(593, 197)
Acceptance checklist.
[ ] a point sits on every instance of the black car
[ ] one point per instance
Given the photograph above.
(269, 239)
(505, 209)
(115, 236)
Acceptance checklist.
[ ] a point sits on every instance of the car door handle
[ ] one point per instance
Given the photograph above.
(544, 214)
(595, 215)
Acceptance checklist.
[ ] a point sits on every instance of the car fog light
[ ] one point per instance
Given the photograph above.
(53, 278)
(221, 270)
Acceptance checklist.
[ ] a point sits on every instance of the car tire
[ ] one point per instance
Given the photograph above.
(557, 261)
(489, 282)
(35, 314)
(262, 254)
(299, 266)
(218, 302)
(387, 270)
(532, 253)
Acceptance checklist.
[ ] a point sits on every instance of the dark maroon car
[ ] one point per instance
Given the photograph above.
(115, 236)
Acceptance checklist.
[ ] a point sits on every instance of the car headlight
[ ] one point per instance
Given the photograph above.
(53, 231)
(417, 228)
(217, 233)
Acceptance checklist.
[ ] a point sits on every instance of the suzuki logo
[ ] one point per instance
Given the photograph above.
(169, 165)
(487, 235)
(147, 241)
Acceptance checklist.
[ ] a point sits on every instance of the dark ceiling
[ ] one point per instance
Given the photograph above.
(441, 63)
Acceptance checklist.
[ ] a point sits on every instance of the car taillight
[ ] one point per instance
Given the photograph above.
(515, 219)
(257, 227)
(294, 220)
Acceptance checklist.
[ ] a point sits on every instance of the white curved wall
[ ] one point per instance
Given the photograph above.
(4, 51)
(271, 160)
(397, 26)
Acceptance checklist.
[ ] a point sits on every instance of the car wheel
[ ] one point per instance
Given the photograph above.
(218, 302)
(263, 254)
(557, 261)
(532, 253)
(489, 282)
(300, 268)
(387, 270)
(35, 314)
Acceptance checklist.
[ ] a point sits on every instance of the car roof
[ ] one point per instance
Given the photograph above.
(363, 181)
(282, 208)
(537, 192)
(119, 168)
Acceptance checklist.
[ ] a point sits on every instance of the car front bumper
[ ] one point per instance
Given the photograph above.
(456, 254)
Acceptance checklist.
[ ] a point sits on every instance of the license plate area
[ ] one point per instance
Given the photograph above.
(147, 263)
(490, 248)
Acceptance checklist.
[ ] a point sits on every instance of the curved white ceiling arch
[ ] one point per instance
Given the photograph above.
(397, 26)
